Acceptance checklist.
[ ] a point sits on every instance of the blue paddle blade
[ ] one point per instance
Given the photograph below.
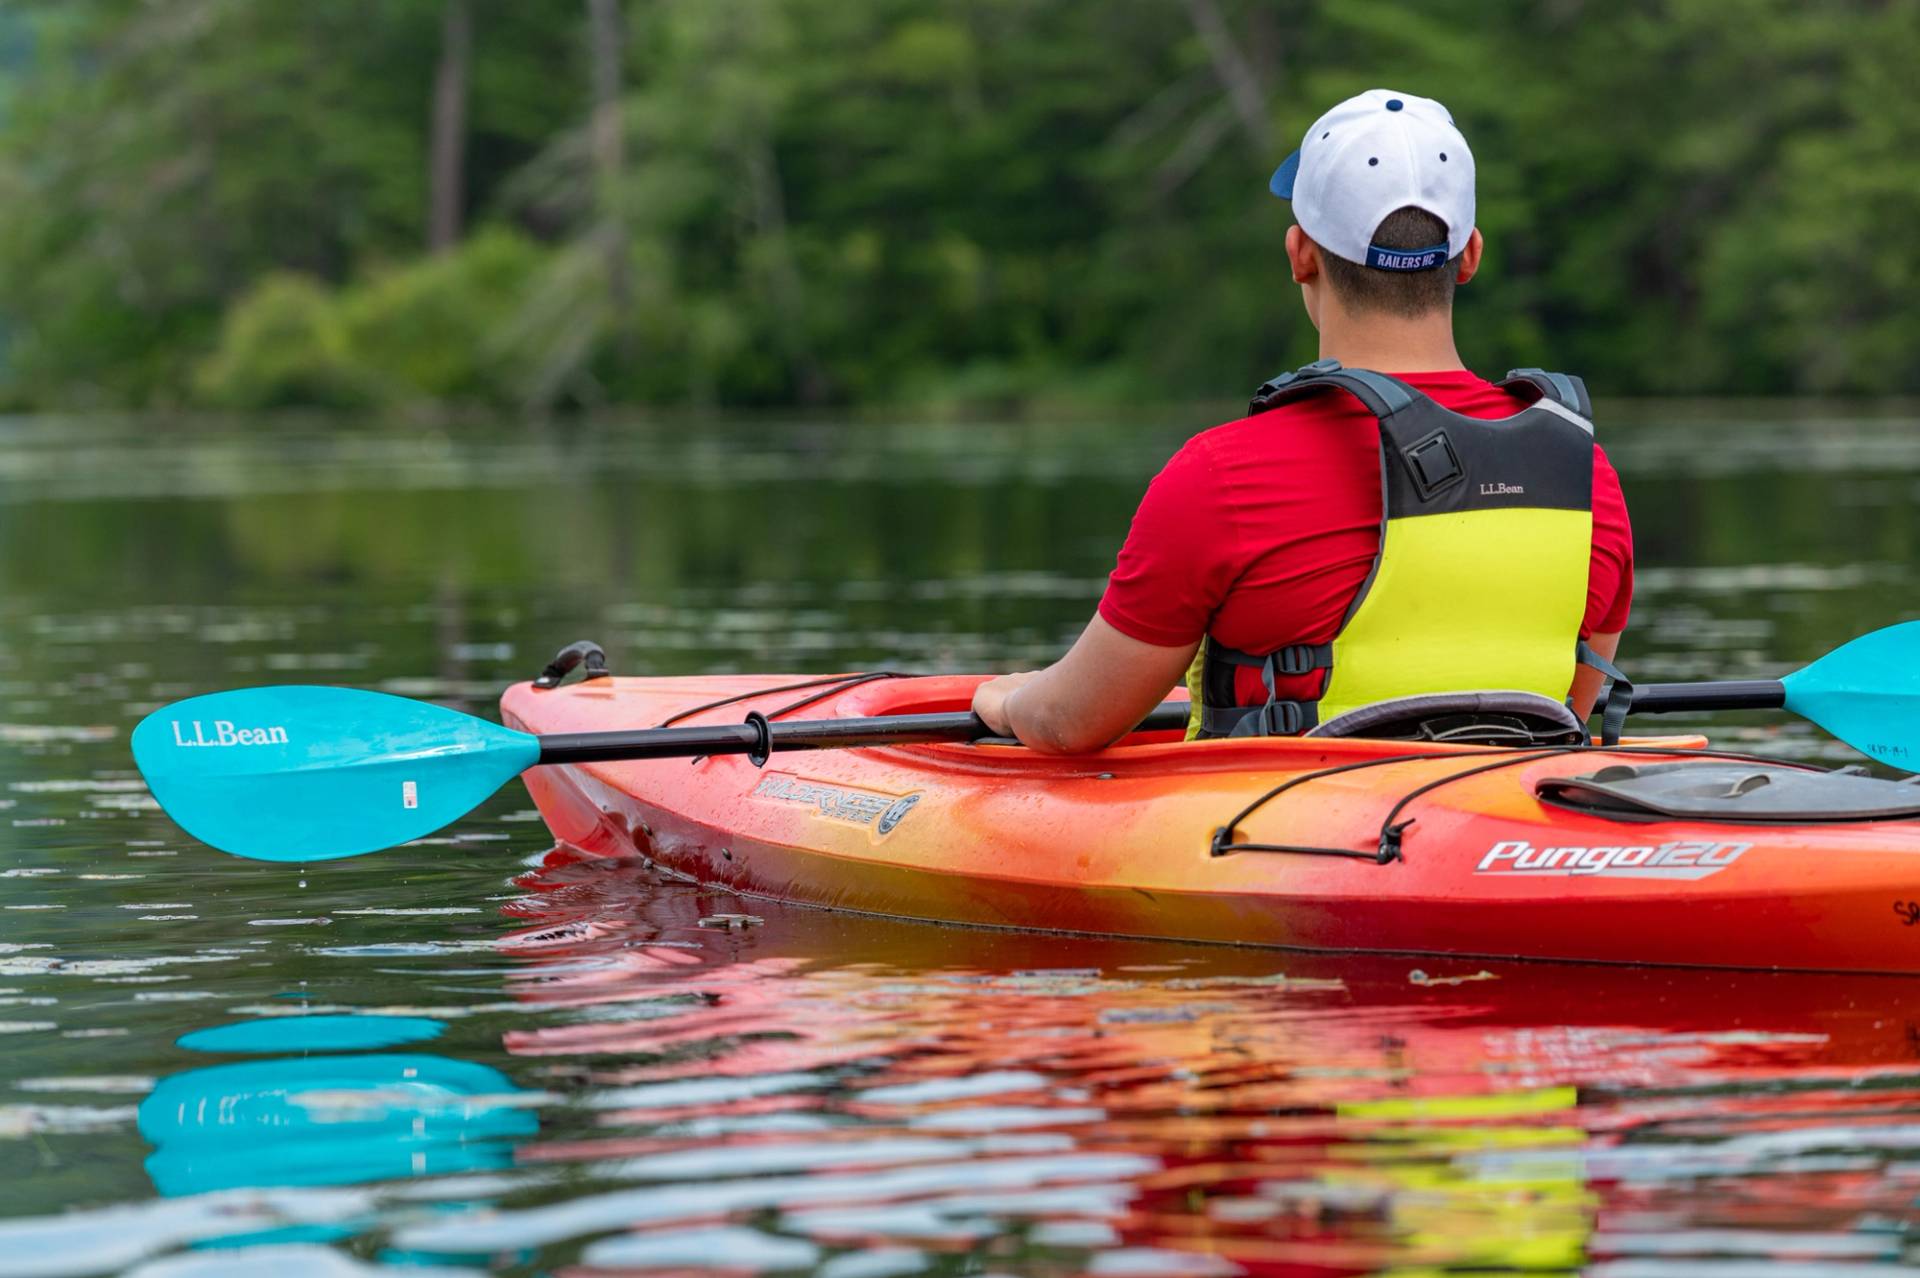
(1867, 693)
(314, 773)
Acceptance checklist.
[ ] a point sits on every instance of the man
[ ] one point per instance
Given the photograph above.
(1358, 538)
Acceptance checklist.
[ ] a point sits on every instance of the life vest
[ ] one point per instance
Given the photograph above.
(1480, 581)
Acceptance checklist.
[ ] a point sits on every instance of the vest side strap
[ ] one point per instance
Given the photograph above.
(1615, 699)
(1274, 719)
(1220, 721)
(1294, 659)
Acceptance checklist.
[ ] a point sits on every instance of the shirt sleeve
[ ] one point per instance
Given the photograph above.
(1175, 567)
(1610, 572)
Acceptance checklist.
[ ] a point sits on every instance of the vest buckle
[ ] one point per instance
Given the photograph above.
(1275, 719)
(1303, 658)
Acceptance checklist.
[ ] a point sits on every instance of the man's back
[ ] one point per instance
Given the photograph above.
(1254, 544)
(1263, 530)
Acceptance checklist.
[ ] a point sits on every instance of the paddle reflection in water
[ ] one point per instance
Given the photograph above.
(819, 1091)
(329, 1119)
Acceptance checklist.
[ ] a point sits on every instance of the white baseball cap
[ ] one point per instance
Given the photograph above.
(1373, 154)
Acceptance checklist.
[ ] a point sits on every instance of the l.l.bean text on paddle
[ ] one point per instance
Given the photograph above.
(226, 734)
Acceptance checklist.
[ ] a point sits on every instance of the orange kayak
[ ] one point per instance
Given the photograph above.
(1327, 844)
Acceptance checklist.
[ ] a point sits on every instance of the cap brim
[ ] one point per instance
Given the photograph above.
(1281, 183)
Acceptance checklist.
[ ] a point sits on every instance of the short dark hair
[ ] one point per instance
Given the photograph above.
(1405, 293)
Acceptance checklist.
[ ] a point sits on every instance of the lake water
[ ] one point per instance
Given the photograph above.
(470, 1054)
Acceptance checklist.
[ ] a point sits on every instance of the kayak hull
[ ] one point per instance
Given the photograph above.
(1121, 842)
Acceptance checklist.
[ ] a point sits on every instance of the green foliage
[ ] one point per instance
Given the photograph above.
(428, 332)
(971, 200)
(283, 344)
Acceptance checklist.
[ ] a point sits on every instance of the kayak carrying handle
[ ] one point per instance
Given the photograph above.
(583, 651)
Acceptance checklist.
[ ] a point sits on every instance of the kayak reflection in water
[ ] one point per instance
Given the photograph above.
(1384, 524)
(808, 1089)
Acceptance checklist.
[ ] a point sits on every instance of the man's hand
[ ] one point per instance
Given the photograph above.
(990, 700)
(1089, 698)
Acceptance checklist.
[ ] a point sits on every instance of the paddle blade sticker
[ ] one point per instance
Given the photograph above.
(313, 773)
(1867, 693)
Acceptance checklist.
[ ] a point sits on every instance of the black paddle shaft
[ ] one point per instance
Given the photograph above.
(759, 737)
(1733, 694)
(753, 738)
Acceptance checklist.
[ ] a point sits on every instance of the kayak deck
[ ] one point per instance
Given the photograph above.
(1433, 849)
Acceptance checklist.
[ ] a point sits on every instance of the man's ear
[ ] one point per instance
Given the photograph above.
(1304, 256)
(1470, 257)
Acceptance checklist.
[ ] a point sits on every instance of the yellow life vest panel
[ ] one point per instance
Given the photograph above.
(1480, 581)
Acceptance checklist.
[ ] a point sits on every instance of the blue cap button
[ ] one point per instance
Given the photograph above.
(1394, 104)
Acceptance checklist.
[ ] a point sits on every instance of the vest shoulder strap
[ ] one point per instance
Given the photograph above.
(1383, 395)
(1564, 389)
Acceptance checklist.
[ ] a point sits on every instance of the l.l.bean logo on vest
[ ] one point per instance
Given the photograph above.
(883, 813)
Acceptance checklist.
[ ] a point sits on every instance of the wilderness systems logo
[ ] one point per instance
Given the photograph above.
(1667, 861)
(225, 734)
(883, 812)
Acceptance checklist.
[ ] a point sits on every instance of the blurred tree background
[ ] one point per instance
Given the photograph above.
(541, 204)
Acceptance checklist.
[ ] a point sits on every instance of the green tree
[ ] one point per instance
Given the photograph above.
(769, 202)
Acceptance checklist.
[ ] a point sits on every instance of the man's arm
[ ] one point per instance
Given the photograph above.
(1089, 698)
(1587, 680)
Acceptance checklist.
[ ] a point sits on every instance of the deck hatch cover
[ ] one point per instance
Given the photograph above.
(1718, 791)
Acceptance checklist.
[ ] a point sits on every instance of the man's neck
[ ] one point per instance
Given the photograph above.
(1388, 344)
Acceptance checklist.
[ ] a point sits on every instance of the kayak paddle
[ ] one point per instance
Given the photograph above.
(1865, 692)
(310, 773)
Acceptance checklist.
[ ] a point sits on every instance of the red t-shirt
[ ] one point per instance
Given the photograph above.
(1262, 531)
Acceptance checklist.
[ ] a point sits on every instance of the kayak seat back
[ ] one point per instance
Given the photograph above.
(1490, 717)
